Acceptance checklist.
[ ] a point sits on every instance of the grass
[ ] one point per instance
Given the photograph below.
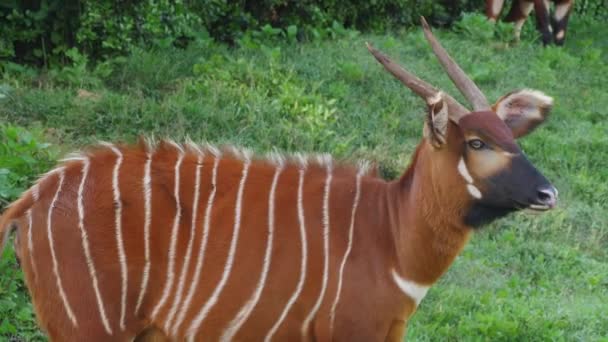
(531, 278)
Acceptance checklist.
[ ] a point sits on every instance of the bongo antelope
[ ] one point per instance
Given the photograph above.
(551, 29)
(190, 242)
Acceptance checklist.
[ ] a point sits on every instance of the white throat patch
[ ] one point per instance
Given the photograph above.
(464, 172)
(415, 291)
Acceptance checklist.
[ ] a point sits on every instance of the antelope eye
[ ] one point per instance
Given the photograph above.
(476, 144)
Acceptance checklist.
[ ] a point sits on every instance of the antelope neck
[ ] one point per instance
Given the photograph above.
(426, 223)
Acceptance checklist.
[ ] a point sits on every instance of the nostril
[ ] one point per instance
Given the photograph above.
(544, 196)
(547, 196)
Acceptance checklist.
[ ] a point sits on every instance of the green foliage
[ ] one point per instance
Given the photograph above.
(16, 312)
(23, 157)
(477, 27)
(525, 278)
(46, 32)
(595, 9)
(109, 27)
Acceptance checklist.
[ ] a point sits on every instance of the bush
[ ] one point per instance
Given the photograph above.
(22, 158)
(42, 32)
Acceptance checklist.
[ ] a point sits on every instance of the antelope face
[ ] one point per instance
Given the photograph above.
(482, 148)
(496, 172)
(481, 144)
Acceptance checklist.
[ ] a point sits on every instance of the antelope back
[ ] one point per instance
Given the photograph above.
(188, 239)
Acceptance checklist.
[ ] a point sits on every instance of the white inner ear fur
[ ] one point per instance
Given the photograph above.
(527, 103)
(439, 120)
(464, 172)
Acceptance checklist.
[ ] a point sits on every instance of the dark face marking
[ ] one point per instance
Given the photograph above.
(480, 214)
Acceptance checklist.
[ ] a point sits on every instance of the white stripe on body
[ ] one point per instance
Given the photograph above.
(182, 277)
(245, 312)
(62, 295)
(147, 185)
(194, 326)
(347, 253)
(87, 250)
(302, 279)
(30, 243)
(173, 243)
(201, 253)
(122, 256)
(326, 228)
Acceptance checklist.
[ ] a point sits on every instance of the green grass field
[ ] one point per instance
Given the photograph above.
(524, 278)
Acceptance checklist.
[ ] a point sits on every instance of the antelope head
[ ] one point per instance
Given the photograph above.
(477, 150)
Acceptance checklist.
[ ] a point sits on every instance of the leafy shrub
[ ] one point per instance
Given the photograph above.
(23, 157)
(43, 31)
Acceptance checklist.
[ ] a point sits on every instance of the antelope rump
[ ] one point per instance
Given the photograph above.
(552, 28)
(191, 242)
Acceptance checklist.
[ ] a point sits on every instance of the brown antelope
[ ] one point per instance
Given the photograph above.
(550, 29)
(189, 242)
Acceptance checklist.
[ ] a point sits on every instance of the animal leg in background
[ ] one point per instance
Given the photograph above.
(559, 21)
(520, 10)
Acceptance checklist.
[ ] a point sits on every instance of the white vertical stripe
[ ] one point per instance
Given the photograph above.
(194, 326)
(87, 251)
(30, 243)
(173, 242)
(317, 305)
(64, 299)
(346, 254)
(300, 285)
(245, 312)
(182, 277)
(201, 252)
(35, 192)
(147, 185)
(122, 257)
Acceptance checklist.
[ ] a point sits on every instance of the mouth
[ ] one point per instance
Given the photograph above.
(533, 207)
(539, 207)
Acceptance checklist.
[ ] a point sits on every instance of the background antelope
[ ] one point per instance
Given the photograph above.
(552, 28)
(193, 242)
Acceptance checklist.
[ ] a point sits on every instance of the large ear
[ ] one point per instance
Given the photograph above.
(523, 110)
(436, 124)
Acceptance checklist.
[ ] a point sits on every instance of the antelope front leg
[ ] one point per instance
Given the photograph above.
(397, 331)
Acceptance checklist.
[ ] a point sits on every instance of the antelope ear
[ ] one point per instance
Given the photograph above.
(523, 110)
(436, 124)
